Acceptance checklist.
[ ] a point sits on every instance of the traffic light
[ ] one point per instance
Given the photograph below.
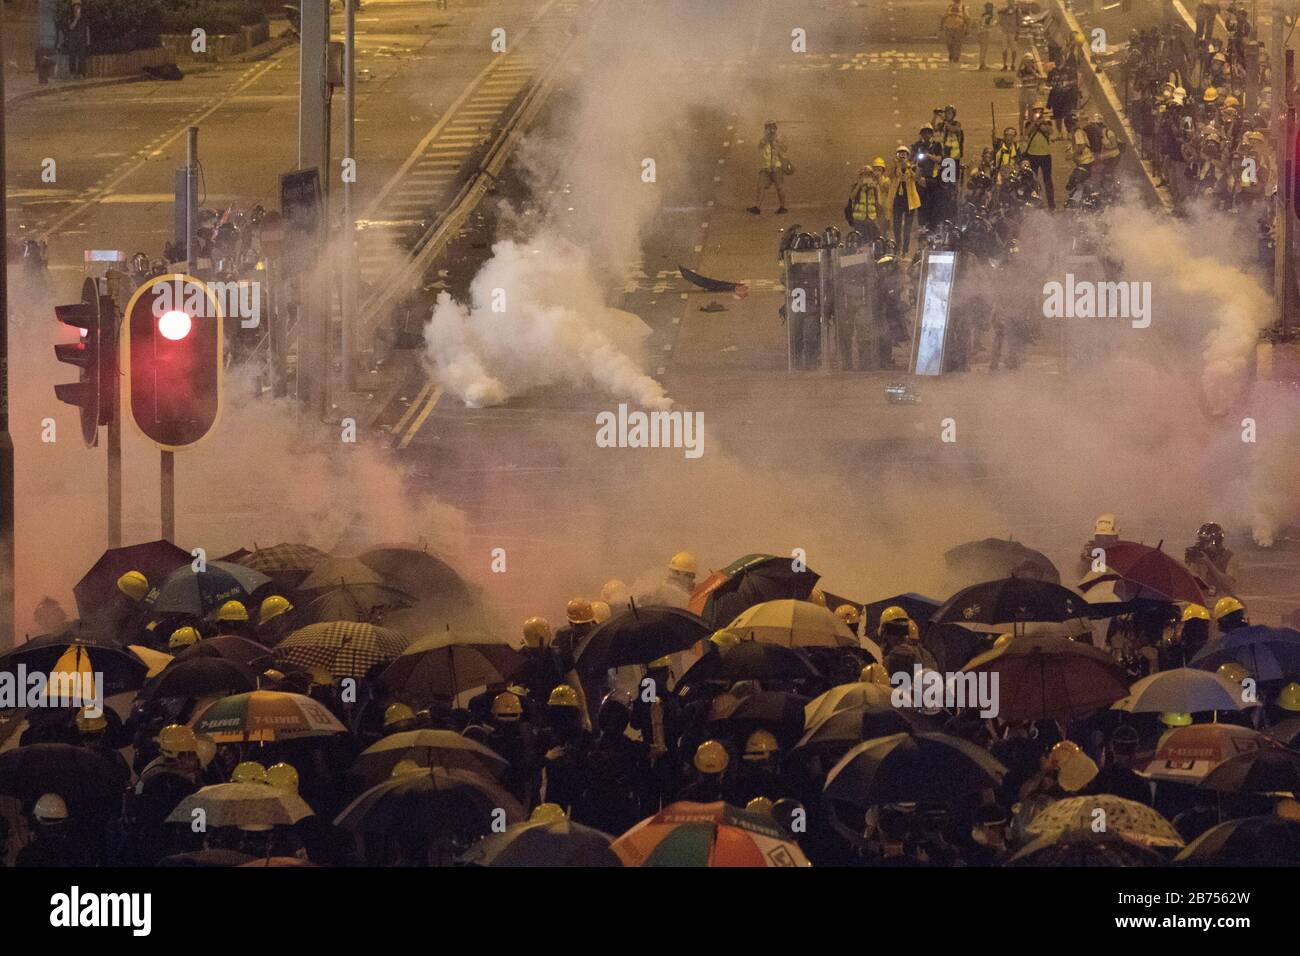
(95, 356)
(172, 360)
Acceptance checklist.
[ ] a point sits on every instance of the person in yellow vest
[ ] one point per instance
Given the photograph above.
(772, 166)
(1006, 158)
(953, 26)
(1038, 150)
(902, 198)
(865, 210)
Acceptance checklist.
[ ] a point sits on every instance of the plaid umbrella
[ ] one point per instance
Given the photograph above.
(196, 593)
(266, 715)
(431, 800)
(1124, 818)
(355, 602)
(344, 648)
(707, 834)
(287, 564)
(156, 560)
(429, 748)
(1051, 677)
(793, 623)
(543, 843)
(242, 804)
(442, 666)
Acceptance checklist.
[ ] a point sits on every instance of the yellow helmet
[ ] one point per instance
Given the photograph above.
(272, 607)
(507, 706)
(176, 739)
(563, 696)
(817, 596)
(1288, 698)
(711, 757)
(537, 632)
(600, 612)
(891, 614)
(134, 585)
(1227, 605)
(249, 771)
(272, 674)
(760, 745)
(660, 663)
(1061, 751)
(404, 766)
(760, 805)
(87, 724)
(683, 562)
(848, 614)
(913, 632)
(1195, 612)
(1231, 102)
(519, 690)
(724, 640)
(1171, 718)
(233, 611)
(547, 813)
(183, 637)
(874, 674)
(878, 162)
(1211, 94)
(282, 776)
(1234, 672)
(578, 611)
(613, 592)
(1002, 641)
(1105, 524)
(50, 808)
(396, 714)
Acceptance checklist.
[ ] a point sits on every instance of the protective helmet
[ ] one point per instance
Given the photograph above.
(50, 808)
(683, 562)
(1195, 612)
(600, 612)
(1105, 524)
(614, 592)
(848, 613)
(282, 776)
(902, 150)
(578, 611)
(249, 771)
(760, 745)
(760, 805)
(183, 637)
(711, 757)
(1171, 718)
(891, 615)
(1211, 532)
(660, 663)
(547, 813)
(273, 675)
(86, 724)
(817, 596)
(1231, 103)
(874, 674)
(507, 707)
(273, 607)
(1061, 750)
(397, 714)
(563, 696)
(1002, 641)
(176, 739)
(233, 611)
(1227, 605)
(537, 632)
(1232, 671)
(878, 162)
(724, 640)
(405, 766)
(1288, 698)
(134, 585)
(913, 632)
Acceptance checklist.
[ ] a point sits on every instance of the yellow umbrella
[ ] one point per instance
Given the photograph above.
(792, 623)
(154, 660)
(72, 676)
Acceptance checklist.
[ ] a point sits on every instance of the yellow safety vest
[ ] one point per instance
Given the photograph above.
(865, 203)
(771, 156)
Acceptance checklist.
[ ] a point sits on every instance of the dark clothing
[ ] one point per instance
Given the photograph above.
(1121, 782)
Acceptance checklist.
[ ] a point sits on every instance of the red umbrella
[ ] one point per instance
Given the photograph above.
(1154, 570)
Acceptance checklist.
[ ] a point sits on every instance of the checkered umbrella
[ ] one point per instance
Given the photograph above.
(286, 564)
(344, 648)
(242, 804)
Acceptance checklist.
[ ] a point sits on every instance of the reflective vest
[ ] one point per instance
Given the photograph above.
(866, 202)
(952, 140)
(771, 156)
(1008, 154)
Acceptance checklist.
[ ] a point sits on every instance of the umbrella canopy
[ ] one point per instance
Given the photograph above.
(544, 843)
(1187, 754)
(774, 711)
(991, 558)
(1128, 819)
(355, 602)
(266, 715)
(1010, 601)
(344, 648)
(334, 572)
(430, 800)
(419, 574)
(1183, 690)
(155, 661)
(1084, 849)
(1154, 571)
(707, 834)
(1051, 677)
(845, 696)
(1269, 653)
(442, 666)
(241, 804)
(230, 647)
(638, 636)
(201, 677)
(952, 645)
(1285, 732)
(837, 733)
(929, 767)
(748, 581)
(191, 592)
(1246, 841)
(72, 667)
(1266, 770)
(793, 623)
(429, 748)
(156, 560)
(285, 563)
(86, 781)
(918, 607)
(750, 660)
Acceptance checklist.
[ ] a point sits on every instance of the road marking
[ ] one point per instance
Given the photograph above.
(410, 409)
(433, 396)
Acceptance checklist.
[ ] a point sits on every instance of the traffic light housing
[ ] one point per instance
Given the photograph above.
(172, 360)
(95, 356)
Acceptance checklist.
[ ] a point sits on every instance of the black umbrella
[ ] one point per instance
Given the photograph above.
(749, 660)
(952, 645)
(1247, 841)
(420, 574)
(544, 843)
(1256, 771)
(1285, 732)
(443, 665)
(844, 729)
(990, 558)
(750, 580)
(84, 779)
(431, 800)
(638, 636)
(364, 603)
(201, 677)
(1269, 653)
(1011, 601)
(923, 767)
(918, 607)
(196, 593)
(776, 711)
(121, 670)
(230, 647)
(156, 560)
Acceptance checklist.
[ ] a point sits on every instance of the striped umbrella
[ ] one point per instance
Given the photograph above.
(344, 648)
(197, 592)
(266, 715)
(241, 804)
(707, 834)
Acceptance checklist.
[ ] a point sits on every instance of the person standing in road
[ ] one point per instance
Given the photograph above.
(1031, 80)
(1038, 150)
(903, 198)
(1009, 25)
(988, 20)
(772, 166)
(865, 209)
(953, 26)
(76, 42)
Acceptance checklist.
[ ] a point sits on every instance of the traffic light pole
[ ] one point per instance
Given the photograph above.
(7, 553)
(313, 151)
(1284, 124)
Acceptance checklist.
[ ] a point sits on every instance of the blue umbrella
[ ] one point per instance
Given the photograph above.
(1269, 653)
(188, 591)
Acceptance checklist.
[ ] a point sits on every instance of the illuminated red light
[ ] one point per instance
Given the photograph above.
(175, 325)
